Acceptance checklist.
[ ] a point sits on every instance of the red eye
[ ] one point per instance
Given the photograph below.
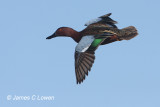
(60, 30)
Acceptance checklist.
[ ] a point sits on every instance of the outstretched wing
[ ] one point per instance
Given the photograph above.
(105, 19)
(84, 54)
(83, 60)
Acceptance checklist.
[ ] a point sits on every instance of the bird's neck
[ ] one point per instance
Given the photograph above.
(76, 36)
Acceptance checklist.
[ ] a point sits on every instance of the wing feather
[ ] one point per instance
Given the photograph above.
(83, 64)
(102, 20)
(85, 68)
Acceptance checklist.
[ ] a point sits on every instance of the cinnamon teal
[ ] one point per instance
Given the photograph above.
(98, 32)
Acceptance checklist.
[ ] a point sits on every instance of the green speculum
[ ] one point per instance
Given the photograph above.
(95, 44)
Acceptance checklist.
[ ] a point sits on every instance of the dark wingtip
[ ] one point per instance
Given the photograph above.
(109, 14)
(106, 15)
(79, 82)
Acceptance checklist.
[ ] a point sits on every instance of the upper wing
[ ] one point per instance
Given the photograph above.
(105, 19)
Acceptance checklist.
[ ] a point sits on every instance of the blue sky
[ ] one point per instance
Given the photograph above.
(125, 74)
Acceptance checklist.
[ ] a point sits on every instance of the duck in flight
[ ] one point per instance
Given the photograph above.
(98, 32)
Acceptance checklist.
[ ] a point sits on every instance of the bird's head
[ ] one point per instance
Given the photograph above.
(62, 31)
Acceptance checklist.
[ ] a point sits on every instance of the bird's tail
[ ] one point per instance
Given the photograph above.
(128, 33)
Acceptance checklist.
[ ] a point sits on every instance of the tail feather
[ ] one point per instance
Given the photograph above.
(128, 33)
